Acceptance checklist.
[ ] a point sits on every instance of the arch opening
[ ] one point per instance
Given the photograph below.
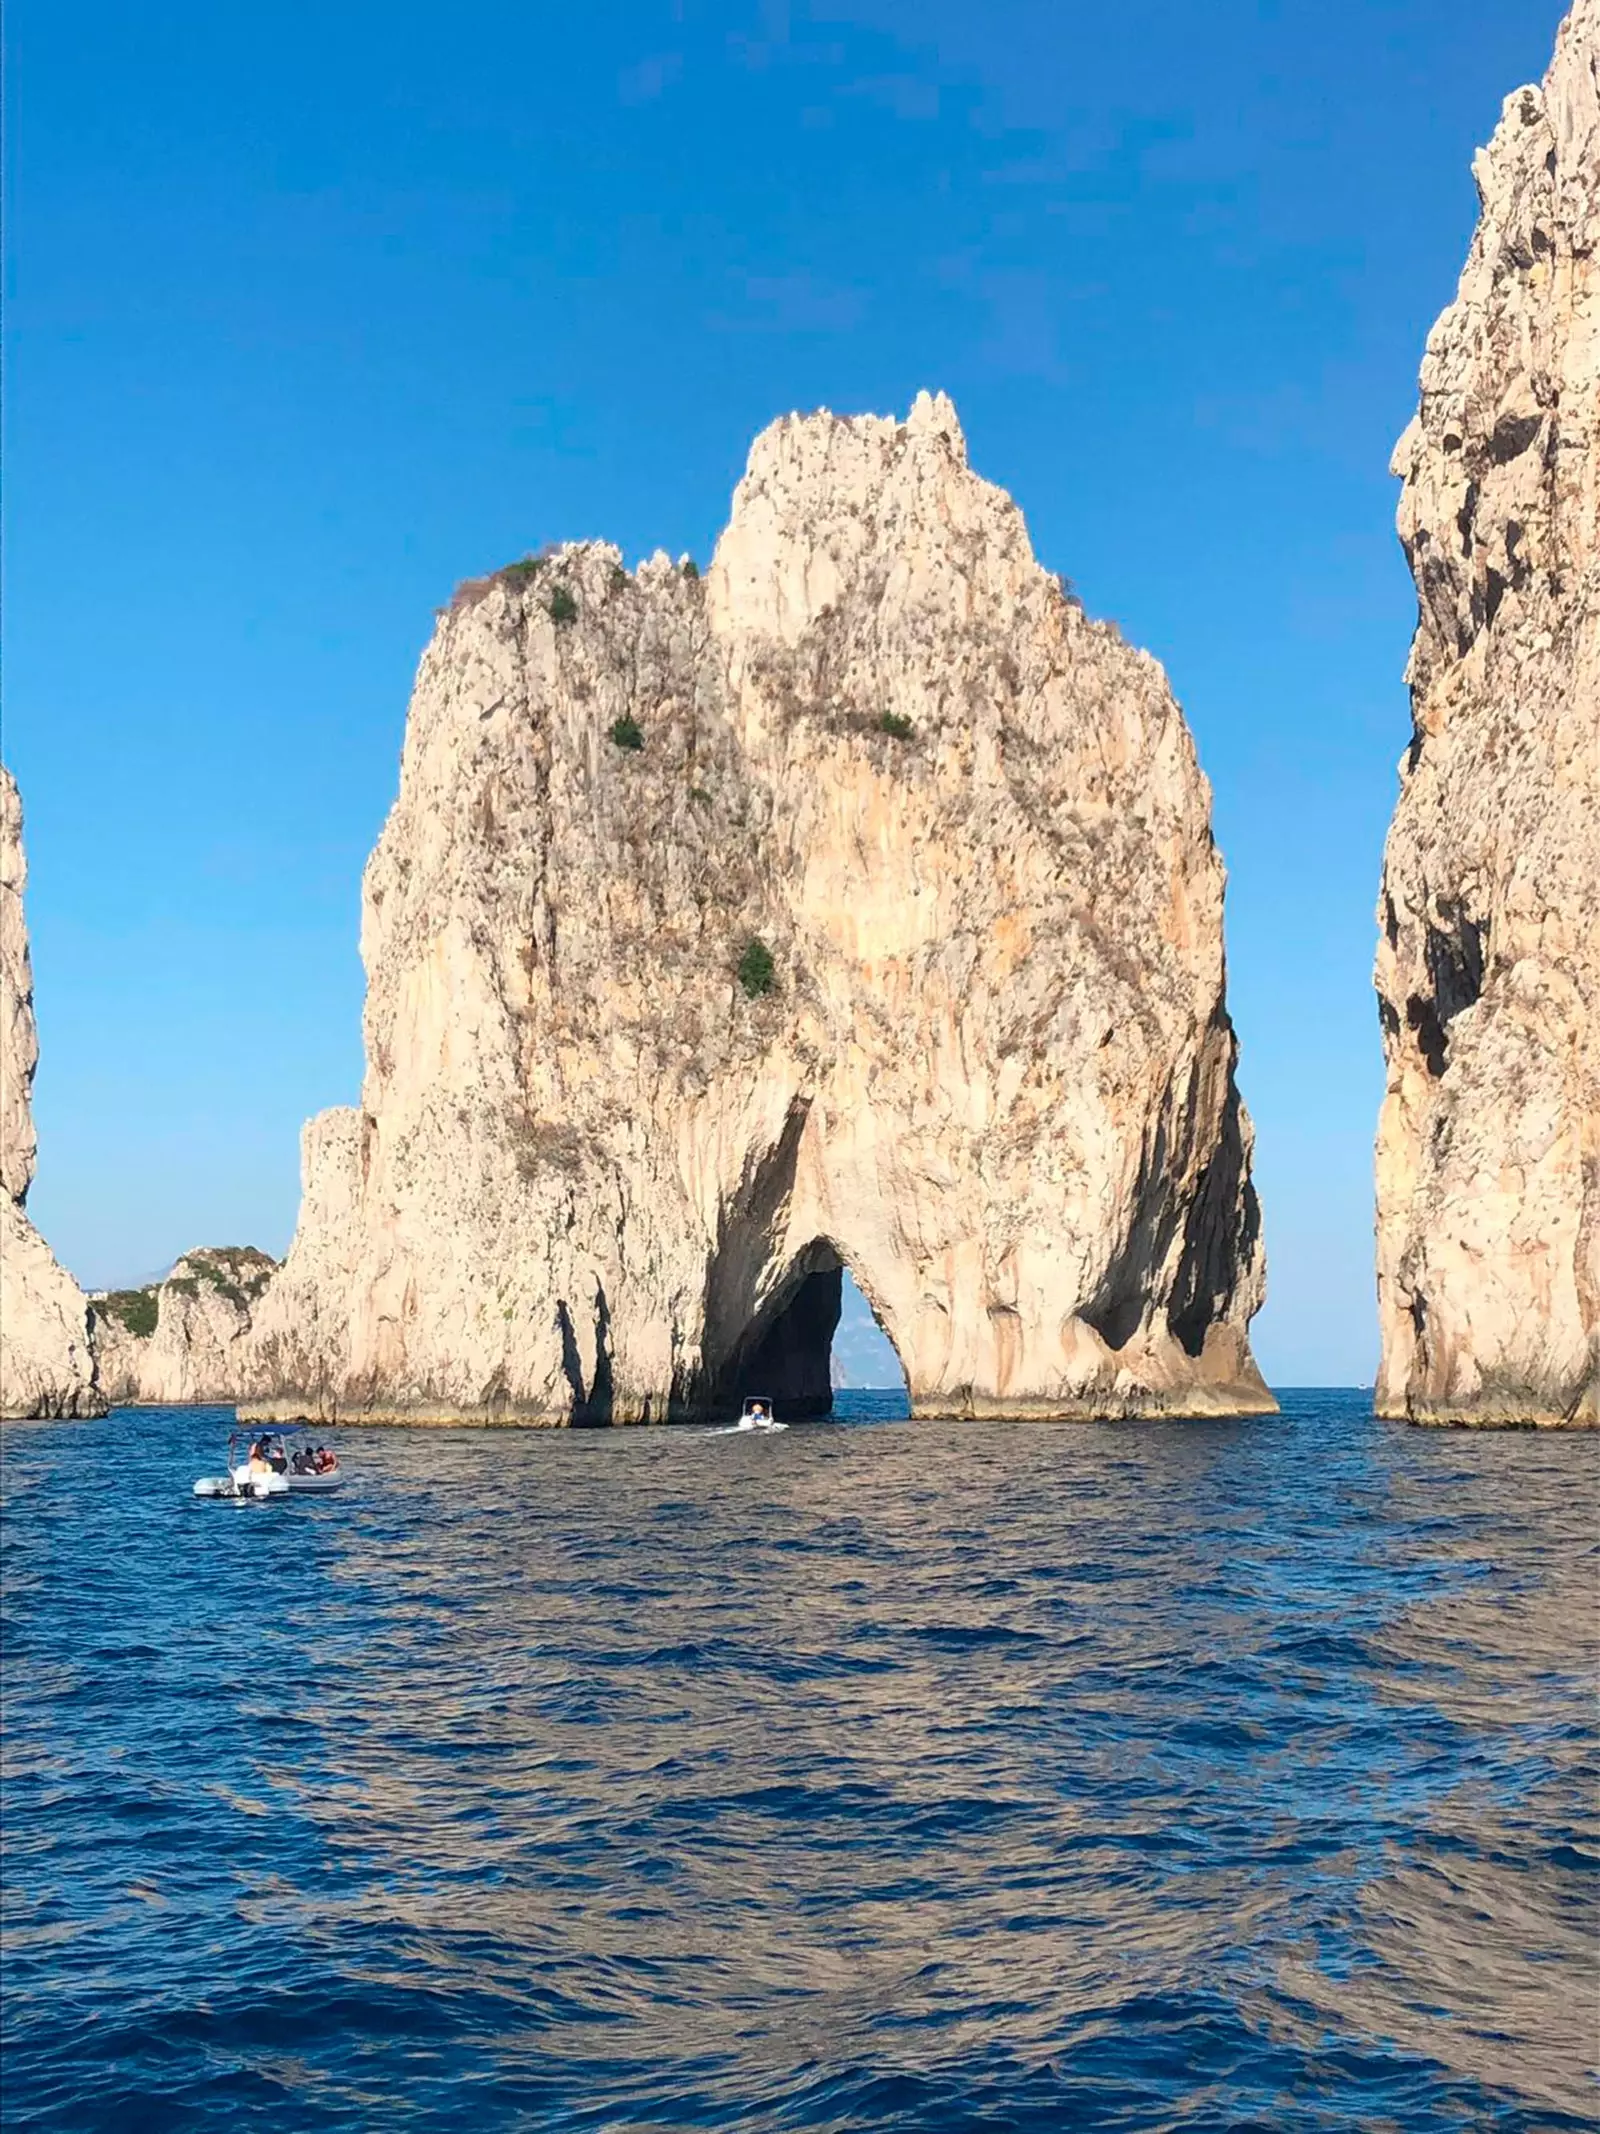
(789, 1351)
(869, 1380)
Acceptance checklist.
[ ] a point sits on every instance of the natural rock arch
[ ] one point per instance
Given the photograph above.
(774, 1282)
(855, 901)
(785, 1352)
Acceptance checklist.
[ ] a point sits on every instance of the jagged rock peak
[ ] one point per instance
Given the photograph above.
(855, 903)
(1488, 968)
(46, 1365)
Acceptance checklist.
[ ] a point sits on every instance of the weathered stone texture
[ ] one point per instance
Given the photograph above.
(592, 1177)
(46, 1366)
(1488, 970)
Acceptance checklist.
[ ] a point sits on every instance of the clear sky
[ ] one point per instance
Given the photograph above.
(315, 309)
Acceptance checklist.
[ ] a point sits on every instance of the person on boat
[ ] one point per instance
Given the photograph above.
(758, 1411)
(323, 1461)
(258, 1467)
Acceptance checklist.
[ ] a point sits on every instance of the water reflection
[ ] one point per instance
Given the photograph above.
(1131, 1776)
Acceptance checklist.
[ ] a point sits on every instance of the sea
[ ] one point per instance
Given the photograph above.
(871, 1774)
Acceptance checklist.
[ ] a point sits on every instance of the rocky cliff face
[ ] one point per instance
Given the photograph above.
(185, 1339)
(46, 1366)
(856, 903)
(1488, 968)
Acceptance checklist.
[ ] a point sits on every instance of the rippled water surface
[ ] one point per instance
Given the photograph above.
(1208, 1775)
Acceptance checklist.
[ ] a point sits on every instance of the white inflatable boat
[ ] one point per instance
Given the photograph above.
(315, 1485)
(269, 1469)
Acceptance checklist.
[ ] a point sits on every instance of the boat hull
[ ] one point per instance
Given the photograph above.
(245, 1492)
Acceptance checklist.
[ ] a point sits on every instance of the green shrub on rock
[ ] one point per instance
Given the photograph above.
(758, 974)
(561, 607)
(138, 1310)
(626, 732)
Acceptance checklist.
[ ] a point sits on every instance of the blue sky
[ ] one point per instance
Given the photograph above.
(314, 310)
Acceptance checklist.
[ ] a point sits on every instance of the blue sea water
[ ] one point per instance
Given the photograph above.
(1201, 1775)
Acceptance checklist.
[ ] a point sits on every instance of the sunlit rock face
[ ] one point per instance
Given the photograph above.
(46, 1366)
(1488, 972)
(182, 1340)
(598, 1174)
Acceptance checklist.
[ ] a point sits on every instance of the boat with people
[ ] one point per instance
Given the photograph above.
(758, 1414)
(266, 1463)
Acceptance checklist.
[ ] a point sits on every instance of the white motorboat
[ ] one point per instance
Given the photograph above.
(269, 1469)
(241, 1486)
(758, 1415)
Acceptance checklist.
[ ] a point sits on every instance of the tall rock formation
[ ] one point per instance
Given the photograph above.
(855, 904)
(46, 1366)
(1488, 971)
(185, 1339)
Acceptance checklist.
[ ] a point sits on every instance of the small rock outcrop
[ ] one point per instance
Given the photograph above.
(183, 1340)
(1488, 969)
(46, 1364)
(854, 904)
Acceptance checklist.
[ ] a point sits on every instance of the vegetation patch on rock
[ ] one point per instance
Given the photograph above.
(137, 1310)
(238, 1272)
(758, 974)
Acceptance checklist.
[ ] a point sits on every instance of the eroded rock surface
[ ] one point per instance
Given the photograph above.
(1488, 972)
(182, 1340)
(878, 757)
(46, 1365)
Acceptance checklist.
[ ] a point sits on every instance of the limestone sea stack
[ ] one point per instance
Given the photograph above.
(1488, 969)
(854, 904)
(185, 1339)
(46, 1365)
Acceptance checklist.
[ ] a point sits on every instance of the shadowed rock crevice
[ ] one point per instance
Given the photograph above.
(592, 1393)
(1222, 1235)
(1123, 1298)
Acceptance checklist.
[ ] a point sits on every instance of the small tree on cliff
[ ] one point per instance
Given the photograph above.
(758, 974)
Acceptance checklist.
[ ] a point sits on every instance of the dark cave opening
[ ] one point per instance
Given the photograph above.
(787, 1354)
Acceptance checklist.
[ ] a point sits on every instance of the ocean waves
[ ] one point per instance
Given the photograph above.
(928, 1777)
